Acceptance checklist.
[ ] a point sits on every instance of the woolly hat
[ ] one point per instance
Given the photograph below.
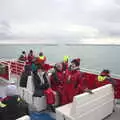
(23, 52)
(11, 90)
(31, 51)
(41, 54)
(66, 58)
(105, 72)
(76, 61)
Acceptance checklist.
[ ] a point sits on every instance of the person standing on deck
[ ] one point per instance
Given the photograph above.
(57, 83)
(73, 81)
(23, 56)
(41, 82)
(30, 56)
(104, 78)
(65, 63)
(42, 58)
(57, 77)
(40, 62)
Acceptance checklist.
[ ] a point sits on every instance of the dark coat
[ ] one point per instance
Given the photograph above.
(15, 108)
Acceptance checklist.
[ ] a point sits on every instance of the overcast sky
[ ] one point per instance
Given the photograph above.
(59, 19)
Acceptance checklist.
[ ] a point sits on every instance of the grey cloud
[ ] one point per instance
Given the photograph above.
(5, 30)
(56, 15)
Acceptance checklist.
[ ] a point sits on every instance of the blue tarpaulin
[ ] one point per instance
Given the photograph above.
(40, 116)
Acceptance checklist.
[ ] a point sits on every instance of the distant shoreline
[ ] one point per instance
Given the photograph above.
(59, 44)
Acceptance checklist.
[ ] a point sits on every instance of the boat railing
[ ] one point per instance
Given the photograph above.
(13, 67)
(16, 67)
(5, 75)
(93, 71)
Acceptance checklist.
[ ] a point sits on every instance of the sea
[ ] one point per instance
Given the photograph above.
(93, 57)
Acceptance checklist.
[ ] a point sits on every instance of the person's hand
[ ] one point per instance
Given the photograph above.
(88, 91)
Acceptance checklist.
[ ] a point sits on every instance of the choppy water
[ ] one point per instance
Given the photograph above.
(92, 56)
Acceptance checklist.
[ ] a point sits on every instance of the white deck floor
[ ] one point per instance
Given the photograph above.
(115, 115)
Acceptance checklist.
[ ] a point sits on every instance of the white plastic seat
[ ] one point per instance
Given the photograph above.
(88, 106)
(39, 103)
(21, 91)
(28, 96)
(30, 85)
(26, 117)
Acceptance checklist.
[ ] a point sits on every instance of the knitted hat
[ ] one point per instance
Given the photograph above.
(41, 54)
(66, 58)
(105, 72)
(23, 52)
(76, 61)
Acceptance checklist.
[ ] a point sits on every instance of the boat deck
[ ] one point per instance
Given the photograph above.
(114, 116)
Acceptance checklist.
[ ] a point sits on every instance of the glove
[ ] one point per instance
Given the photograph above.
(88, 91)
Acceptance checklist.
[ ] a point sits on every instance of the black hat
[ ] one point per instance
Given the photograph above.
(31, 51)
(23, 52)
(76, 61)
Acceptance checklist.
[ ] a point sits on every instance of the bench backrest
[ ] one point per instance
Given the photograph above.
(93, 106)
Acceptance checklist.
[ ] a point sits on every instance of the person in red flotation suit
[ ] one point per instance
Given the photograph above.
(41, 58)
(73, 81)
(30, 57)
(57, 77)
(65, 63)
(57, 83)
(23, 57)
(104, 78)
(40, 62)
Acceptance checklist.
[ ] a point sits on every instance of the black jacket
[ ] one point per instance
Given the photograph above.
(14, 108)
(39, 86)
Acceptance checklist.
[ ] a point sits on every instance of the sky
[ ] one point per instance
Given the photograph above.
(60, 20)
